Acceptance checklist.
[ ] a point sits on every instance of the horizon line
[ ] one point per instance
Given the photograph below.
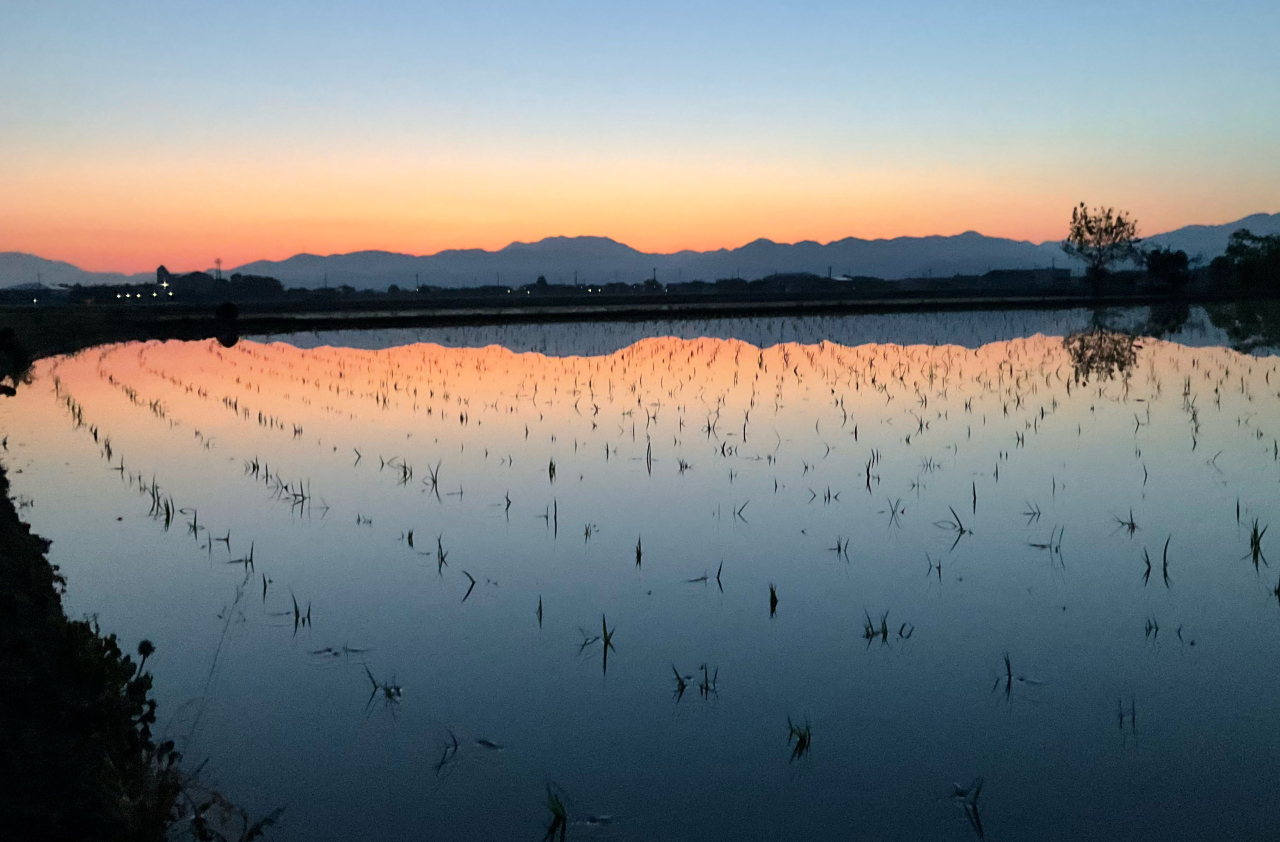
(605, 237)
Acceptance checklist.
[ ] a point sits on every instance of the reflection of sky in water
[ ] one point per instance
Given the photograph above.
(970, 330)
(814, 445)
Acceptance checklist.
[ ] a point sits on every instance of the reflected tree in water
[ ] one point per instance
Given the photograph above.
(1100, 352)
(1252, 326)
(15, 363)
(1166, 319)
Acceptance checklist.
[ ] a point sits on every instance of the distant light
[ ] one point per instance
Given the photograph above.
(117, 295)
(153, 295)
(171, 293)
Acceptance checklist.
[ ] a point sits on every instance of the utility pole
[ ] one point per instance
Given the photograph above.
(217, 262)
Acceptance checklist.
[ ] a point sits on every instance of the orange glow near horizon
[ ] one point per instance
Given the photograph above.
(133, 216)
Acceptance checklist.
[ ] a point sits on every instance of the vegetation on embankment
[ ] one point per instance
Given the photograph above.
(78, 758)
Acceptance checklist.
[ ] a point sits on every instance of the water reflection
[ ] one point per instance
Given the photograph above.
(969, 555)
(1101, 353)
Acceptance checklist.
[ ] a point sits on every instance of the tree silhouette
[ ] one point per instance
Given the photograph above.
(1101, 238)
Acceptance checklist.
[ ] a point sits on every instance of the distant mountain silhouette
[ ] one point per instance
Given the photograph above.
(17, 269)
(602, 260)
(1208, 241)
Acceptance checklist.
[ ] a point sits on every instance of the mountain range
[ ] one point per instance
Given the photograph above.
(602, 260)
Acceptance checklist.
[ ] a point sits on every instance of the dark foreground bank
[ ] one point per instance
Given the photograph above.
(78, 757)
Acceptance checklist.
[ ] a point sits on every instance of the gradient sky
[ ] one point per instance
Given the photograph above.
(135, 133)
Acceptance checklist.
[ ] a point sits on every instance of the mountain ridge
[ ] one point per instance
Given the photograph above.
(599, 259)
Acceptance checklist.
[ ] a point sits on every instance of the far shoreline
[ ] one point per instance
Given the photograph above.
(45, 331)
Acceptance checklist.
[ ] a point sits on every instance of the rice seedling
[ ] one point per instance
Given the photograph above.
(587, 639)
(471, 587)
(773, 600)
(681, 683)
(639, 551)
(1053, 545)
(559, 817)
(1165, 562)
(967, 799)
(955, 524)
(246, 560)
(1008, 677)
(448, 754)
(1255, 545)
(802, 736)
(606, 641)
(1131, 525)
(433, 480)
(707, 688)
(870, 631)
(391, 691)
(301, 619)
(1146, 558)
(539, 610)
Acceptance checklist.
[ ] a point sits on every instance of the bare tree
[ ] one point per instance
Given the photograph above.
(1101, 238)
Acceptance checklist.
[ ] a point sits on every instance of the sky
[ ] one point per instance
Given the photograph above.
(140, 133)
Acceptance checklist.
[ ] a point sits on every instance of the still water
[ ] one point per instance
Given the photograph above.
(747, 579)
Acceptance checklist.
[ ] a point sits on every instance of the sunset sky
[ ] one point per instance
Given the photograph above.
(136, 133)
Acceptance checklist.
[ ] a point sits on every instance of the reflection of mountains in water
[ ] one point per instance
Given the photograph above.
(590, 339)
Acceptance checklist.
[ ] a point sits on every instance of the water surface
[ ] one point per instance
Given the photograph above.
(458, 513)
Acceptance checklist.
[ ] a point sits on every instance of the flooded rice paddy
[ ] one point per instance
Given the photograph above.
(912, 577)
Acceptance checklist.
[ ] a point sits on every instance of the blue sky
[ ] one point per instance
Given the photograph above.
(1014, 110)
